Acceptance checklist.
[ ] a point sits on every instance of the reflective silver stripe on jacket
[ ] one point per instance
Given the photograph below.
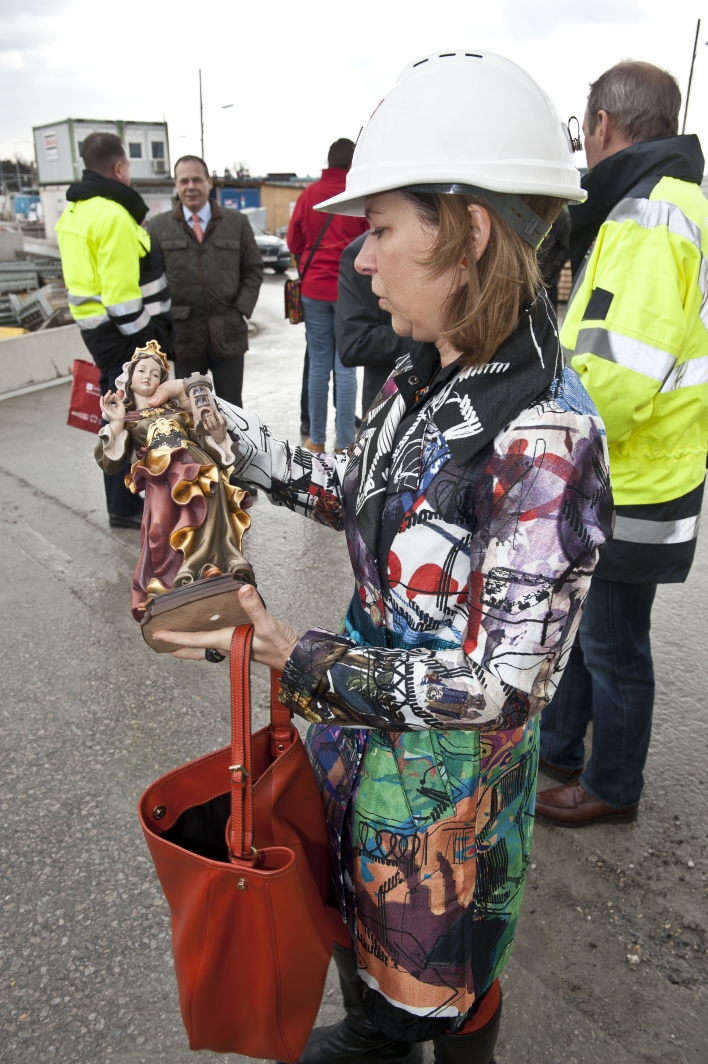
(688, 374)
(118, 310)
(153, 287)
(158, 308)
(634, 530)
(78, 301)
(91, 323)
(650, 214)
(632, 354)
(131, 327)
(703, 285)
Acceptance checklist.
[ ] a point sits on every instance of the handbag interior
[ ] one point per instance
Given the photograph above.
(202, 829)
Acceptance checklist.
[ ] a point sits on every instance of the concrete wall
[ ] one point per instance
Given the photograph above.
(40, 356)
(47, 247)
(11, 240)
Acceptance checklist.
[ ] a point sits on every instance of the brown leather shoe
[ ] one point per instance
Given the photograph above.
(563, 775)
(316, 448)
(572, 806)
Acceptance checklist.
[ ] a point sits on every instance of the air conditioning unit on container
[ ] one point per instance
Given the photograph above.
(159, 166)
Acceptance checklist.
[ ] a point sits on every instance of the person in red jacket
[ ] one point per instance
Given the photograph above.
(317, 242)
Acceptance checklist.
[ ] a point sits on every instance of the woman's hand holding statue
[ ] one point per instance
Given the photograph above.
(174, 390)
(171, 390)
(273, 641)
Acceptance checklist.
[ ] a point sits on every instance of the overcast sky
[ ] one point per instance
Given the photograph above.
(302, 74)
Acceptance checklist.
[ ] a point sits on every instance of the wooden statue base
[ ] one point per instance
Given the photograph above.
(202, 606)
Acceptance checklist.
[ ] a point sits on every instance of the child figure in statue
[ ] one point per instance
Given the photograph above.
(193, 521)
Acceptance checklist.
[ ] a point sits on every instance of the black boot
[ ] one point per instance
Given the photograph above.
(355, 1040)
(474, 1048)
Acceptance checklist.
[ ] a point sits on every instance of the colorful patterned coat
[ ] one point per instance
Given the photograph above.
(466, 604)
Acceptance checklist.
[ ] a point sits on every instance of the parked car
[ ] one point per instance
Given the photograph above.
(274, 251)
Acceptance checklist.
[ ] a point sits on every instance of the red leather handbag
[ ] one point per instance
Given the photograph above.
(239, 842)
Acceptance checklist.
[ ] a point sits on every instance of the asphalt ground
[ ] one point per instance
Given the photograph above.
(90, 716)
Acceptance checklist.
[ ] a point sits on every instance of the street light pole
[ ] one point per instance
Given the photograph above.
(690, 77)
(201, 110)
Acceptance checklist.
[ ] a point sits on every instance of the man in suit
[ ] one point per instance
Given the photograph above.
(214, 269)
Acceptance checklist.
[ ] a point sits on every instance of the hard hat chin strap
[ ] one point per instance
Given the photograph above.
(509, 205)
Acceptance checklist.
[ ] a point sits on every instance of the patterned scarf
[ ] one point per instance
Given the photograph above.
(468, 410)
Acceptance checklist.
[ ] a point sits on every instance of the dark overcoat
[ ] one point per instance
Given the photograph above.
(214, 284)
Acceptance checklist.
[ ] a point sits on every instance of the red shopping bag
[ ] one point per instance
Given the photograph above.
(84, 405)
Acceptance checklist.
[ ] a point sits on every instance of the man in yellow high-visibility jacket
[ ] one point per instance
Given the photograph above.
(636, 332)
(118, 291)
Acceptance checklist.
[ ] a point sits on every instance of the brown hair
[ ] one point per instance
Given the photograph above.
(479, 316)
(101, 151)
(643, 99)
(192, 159)
(341, 153)
(129, 401)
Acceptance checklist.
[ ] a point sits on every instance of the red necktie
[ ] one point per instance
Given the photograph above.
(198, 231)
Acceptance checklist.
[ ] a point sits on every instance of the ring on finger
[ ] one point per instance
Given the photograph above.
(213, 655)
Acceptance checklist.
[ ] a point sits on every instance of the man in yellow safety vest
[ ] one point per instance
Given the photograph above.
(636, 332)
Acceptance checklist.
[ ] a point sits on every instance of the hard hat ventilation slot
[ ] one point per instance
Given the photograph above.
(472, 55)
(420, 62)
(446, 55)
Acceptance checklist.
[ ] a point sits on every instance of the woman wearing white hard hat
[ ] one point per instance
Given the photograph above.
(474, 500)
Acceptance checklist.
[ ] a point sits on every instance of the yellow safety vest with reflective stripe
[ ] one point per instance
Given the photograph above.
(101, 248)
(636, 332)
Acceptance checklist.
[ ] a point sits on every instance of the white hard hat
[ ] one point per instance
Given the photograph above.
(465, 121)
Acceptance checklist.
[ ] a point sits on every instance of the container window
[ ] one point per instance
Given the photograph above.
(157, 148)
(135, 150)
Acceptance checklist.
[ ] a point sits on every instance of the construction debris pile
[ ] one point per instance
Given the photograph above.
(32, 295)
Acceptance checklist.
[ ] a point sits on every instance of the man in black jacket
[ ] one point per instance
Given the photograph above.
(553, 254)
(214, 269)
(363, 331)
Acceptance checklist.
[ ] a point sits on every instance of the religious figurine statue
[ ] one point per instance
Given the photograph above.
(190, 565)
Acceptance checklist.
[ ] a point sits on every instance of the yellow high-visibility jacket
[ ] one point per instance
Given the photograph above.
(636, 332)
(116, 285)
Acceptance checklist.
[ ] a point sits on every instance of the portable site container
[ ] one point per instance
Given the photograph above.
(58, 148)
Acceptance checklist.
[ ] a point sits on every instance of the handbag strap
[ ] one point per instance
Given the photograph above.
(282, 733)
(240, 769)
(316, 244)
(282, 736)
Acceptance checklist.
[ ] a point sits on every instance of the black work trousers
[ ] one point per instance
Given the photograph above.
(120, 501)
(227, 374)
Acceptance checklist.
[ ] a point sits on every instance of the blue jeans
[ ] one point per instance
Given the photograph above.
(609, 678)
(324, 359)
